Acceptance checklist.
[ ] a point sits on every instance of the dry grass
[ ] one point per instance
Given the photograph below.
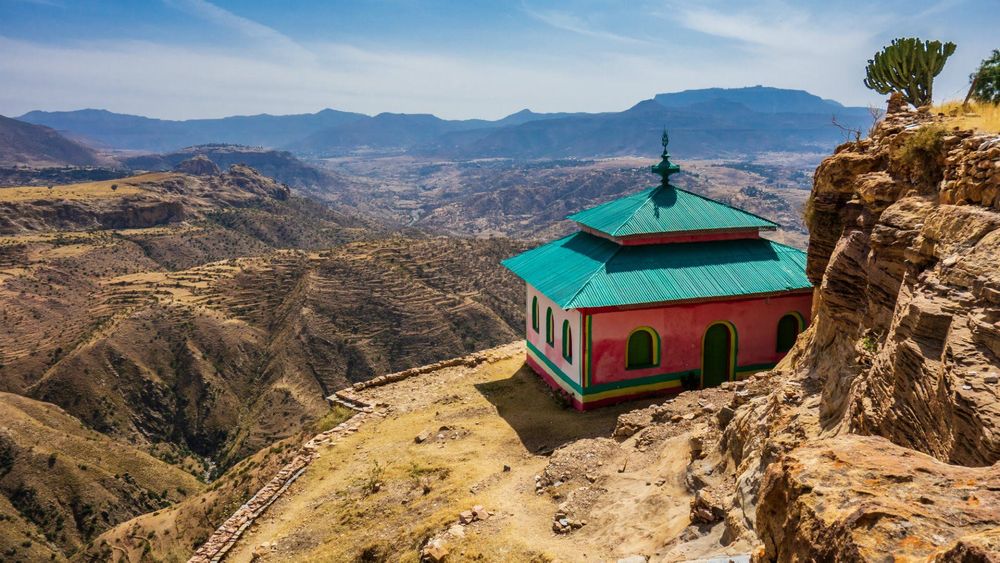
(476, 421)
(984, 118)
(83, 190)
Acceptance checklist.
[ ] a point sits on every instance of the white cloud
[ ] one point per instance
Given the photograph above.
(265, 36)
(782, 28)
(575, 24)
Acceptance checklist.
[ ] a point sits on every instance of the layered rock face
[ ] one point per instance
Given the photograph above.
(904, 348)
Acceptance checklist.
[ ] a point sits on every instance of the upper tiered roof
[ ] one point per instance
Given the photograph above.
(665, 209)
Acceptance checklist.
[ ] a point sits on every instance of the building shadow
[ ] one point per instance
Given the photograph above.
(541, 420)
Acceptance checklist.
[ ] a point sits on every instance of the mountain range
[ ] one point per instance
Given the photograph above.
(705, 123)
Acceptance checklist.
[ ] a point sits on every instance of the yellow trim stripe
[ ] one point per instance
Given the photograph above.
(611, 393)
(638, 389)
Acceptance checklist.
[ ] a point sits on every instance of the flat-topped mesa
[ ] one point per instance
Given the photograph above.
(663, 269)
(667, 214)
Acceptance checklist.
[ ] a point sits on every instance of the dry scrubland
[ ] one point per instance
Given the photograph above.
(530, 200)
(984, 118)
(81, 191)
(196, 321)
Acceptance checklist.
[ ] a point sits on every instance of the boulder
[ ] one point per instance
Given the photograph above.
(198, 165)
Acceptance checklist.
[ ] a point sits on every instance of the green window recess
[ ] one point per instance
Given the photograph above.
(534, 313)
(567, 342)
(550, 327)
(643, 349)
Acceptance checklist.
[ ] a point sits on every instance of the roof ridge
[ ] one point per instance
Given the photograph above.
(583, 286)
(649, 198)
(706, 198)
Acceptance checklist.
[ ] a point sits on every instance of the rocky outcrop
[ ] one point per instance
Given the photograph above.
(860, 498)
(198, 165)
(903, 348)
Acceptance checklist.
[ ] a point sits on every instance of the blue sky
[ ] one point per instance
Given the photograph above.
(457, 59)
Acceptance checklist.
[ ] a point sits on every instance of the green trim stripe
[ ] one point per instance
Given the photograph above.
(559, 373)
(636, 382)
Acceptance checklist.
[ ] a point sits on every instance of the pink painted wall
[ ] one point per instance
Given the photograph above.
(681, 328)
(554, 352)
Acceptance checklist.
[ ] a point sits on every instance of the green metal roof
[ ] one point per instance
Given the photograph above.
(583, 270)
(666, 209)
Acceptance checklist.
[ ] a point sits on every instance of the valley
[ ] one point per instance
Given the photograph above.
(530, 200)
(192, 321)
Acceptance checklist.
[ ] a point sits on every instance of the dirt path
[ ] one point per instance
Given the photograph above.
(487, 432)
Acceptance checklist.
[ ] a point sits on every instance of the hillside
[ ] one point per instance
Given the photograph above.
(280, 165)
(874, 436)
(199, 319)
(61, 483)
(25, 144)
(710, 123)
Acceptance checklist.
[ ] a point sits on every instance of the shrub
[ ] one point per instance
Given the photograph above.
(372, 481)
(920, 154)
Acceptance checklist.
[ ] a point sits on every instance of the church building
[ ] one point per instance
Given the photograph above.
(657, 292)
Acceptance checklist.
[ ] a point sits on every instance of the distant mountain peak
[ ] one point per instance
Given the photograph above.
(763, 99)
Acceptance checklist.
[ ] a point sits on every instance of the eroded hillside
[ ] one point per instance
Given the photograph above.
(902, 349)
(195, 320)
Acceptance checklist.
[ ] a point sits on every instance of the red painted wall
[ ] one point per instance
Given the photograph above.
(674, 238)
(681, 328)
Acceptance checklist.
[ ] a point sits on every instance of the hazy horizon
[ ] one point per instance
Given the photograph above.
(188, 59)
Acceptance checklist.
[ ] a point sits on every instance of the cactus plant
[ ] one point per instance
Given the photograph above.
(908, 66)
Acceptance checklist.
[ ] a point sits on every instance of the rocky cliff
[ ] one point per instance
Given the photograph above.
(903, 349)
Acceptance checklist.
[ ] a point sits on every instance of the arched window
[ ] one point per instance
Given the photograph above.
(567, 342)
(789, 328)
(643, 349)
(550, 327)
(534, 313)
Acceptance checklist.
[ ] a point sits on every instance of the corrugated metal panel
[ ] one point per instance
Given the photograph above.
(562, 267)
(666, 210)
(583, 270)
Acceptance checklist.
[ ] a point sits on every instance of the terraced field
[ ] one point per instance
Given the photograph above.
(217, 332)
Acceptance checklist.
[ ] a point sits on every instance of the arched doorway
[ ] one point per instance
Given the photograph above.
(718, 355)
(789, 328)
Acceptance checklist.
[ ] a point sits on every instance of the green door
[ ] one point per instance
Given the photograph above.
(788, 331)
(717, 360)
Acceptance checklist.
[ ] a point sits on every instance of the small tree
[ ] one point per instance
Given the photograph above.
(985, 82)
(908, 66)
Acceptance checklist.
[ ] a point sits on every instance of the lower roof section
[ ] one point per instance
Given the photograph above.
(586, 271)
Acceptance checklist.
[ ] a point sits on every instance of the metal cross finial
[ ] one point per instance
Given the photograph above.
(665, 168)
